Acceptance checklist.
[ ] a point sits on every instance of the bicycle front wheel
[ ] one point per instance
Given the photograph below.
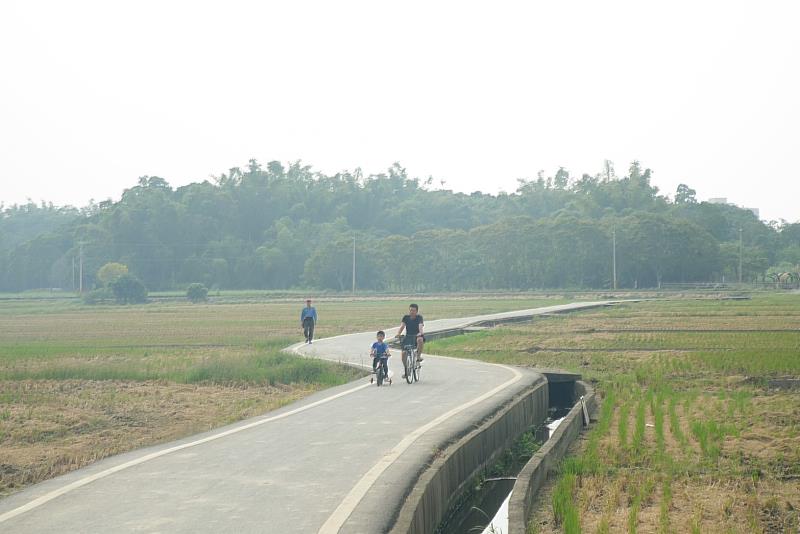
(410, 367)
(416, 370)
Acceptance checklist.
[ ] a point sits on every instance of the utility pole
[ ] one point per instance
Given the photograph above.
(73, 273)
(354, 264)
(614, 255)
(80, 270)
(740, 255)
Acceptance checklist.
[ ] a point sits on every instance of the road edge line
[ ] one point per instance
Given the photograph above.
(47, 497)
(339, 516)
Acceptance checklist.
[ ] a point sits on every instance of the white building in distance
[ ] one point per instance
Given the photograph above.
(723, 200)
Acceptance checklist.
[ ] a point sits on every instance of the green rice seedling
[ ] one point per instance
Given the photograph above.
(739, 402)
(622, 426)
(675, 422)
(666, 502)
(658, 418)
(709, 435)
(562, 497)
(572, 522)
(564, 509)
(688, 402)
(606, 414)
(700, 433)
(590, 460)
(572, 465)
(638, 429)
(633, 514)
(753, 361)
(642, 494)
(642, 376)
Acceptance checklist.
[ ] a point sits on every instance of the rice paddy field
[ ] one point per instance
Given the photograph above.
(79, 383)
(699, 427)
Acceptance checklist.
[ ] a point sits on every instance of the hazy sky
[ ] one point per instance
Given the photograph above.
(95, 94)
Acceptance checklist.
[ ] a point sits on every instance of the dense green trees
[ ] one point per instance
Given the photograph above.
(278, 226)
(128, 289)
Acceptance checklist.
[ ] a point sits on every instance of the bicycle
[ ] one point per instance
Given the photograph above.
(413, 367)
(382, 372)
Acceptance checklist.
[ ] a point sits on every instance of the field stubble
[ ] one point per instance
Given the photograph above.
(690, 437)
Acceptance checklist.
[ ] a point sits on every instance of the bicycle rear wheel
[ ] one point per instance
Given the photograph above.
(416, 370)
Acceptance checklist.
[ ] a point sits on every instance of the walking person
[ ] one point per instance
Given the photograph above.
(308, 318)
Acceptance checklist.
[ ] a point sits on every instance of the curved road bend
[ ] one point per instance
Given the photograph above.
(339, 460)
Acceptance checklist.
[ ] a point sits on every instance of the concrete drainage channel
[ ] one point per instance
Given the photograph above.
(504, 504)
(533, 476)
(443, 485)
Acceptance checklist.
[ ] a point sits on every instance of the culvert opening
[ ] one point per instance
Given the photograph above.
(483, 509)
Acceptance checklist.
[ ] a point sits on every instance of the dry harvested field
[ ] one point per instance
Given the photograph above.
(699, 429)
(79, 383)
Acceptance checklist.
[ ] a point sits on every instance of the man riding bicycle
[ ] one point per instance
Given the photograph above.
(413, 326)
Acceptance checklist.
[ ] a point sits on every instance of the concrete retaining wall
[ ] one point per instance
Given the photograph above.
(443, 482)
(534, 474)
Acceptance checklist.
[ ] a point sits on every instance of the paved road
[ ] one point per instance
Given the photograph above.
(340, 460)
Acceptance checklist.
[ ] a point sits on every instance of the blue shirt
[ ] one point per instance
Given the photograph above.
(379, 348)
(309, 311)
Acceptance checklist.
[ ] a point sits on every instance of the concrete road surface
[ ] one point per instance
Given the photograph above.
(340, 460)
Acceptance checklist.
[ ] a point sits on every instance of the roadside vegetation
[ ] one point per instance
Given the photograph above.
(81, 383)
(700, 422)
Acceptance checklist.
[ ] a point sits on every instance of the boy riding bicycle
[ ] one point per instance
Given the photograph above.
(380, 354)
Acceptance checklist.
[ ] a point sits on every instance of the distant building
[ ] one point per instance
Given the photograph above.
(723, 200)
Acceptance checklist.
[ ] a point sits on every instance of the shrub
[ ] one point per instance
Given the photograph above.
(197, 292)
(97, 296)
(128, 289)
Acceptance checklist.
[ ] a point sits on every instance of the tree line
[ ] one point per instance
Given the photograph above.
(285, 226)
